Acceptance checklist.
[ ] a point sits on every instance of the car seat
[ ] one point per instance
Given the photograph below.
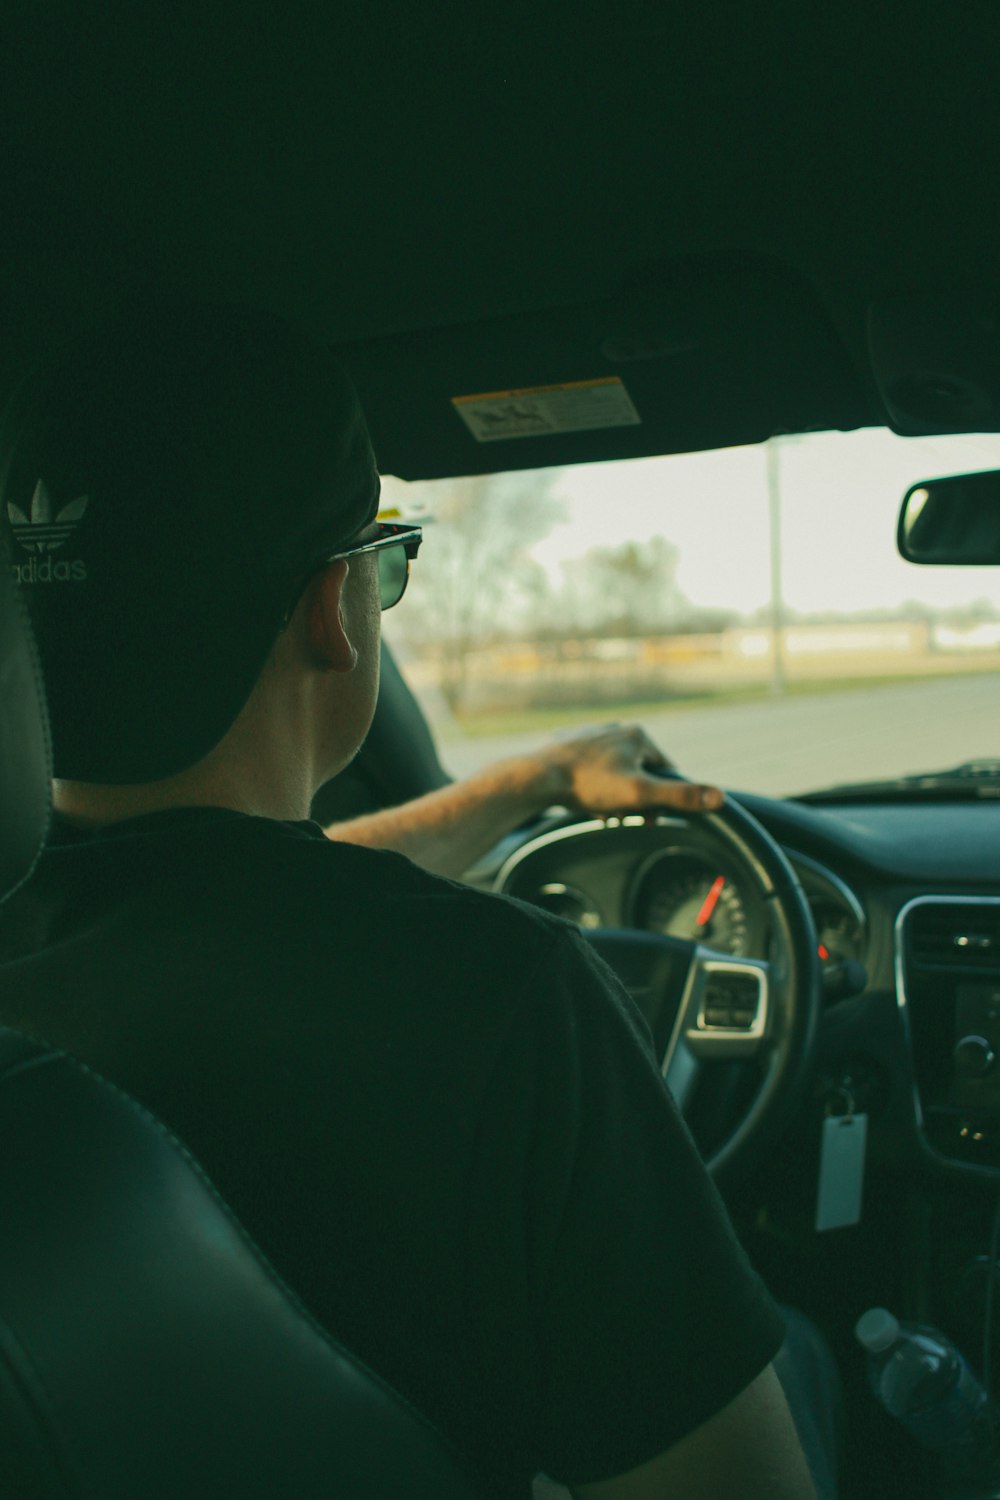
(147, 1349)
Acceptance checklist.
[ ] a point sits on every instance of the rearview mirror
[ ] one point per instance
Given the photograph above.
(955, 520)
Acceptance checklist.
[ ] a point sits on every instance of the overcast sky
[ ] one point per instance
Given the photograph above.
(840, 499)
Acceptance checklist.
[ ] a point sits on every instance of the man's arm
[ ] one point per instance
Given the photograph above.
(748, 1451)
(605, 770)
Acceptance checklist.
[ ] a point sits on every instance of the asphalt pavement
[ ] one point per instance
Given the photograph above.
(784, 745)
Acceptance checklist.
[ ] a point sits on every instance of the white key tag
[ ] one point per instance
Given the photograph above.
(841, 1169)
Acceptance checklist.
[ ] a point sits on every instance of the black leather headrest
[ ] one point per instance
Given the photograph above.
(25, 788)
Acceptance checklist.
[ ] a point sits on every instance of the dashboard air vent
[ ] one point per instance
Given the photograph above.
(956, 935)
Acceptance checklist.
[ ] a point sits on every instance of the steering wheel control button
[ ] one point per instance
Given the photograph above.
(727, 1006)
(731, 1001)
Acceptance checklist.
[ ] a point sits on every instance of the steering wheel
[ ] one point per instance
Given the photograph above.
(704, 1006)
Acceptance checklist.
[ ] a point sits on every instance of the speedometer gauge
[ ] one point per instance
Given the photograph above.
(687, 898)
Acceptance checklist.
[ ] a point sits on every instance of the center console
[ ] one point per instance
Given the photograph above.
(948, 985)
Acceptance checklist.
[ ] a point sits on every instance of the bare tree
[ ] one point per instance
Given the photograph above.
(475, 574)
(629, 590)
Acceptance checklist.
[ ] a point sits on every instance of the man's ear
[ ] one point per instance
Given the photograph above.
(329, 644)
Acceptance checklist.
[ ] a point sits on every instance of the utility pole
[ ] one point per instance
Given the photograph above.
(777, 599)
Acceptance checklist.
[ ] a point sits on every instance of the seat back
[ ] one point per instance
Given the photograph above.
(25, 796)
(146, 1346)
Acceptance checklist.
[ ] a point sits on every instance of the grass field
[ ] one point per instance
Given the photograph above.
(526, 721)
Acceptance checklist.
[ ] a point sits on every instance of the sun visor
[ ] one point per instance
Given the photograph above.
(937, 363)
(695, 354)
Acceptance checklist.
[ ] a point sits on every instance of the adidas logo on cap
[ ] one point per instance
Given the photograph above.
(42, 533)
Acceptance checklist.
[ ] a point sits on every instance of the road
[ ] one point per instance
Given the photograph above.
(781, 746)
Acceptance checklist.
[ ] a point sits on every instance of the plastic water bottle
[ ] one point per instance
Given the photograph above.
(926, 1384)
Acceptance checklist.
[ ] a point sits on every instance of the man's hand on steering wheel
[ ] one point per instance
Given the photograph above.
(611, 769)
(618, 768)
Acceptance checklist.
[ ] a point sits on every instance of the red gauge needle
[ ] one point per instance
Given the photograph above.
(710, 902)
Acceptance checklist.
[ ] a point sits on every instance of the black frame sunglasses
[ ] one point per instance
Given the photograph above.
(396, 547)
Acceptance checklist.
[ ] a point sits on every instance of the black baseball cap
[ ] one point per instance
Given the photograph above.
(166, 486)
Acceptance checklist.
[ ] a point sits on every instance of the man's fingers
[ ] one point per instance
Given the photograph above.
(618, 766)
(688, 795)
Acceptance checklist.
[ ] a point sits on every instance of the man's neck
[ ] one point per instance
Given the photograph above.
(269, 763)
(91, 806)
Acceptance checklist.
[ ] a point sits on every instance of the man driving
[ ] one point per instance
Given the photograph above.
(608, 769)
(435, 1110)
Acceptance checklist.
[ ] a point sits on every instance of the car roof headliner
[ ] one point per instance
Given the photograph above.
(763, 218)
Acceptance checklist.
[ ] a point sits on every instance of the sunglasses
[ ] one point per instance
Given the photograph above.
(394, 546)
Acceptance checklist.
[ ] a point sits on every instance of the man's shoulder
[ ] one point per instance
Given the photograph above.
(286, 881)
(436, 952)
(290, 877)
(398, 893)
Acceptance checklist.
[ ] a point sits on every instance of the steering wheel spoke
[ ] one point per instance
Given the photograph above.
(723, 1015)
(702, 1005)
(680, 1071)
(725, 1012)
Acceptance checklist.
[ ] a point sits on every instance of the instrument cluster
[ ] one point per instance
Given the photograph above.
(682, 888)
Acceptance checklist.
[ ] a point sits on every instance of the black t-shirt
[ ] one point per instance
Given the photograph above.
(434, 1109)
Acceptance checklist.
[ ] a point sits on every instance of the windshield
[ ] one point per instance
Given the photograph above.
(748, 605)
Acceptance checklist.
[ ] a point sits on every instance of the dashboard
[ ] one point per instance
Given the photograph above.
(906, 903)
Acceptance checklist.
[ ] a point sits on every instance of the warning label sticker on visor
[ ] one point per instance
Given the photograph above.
(540, 410)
